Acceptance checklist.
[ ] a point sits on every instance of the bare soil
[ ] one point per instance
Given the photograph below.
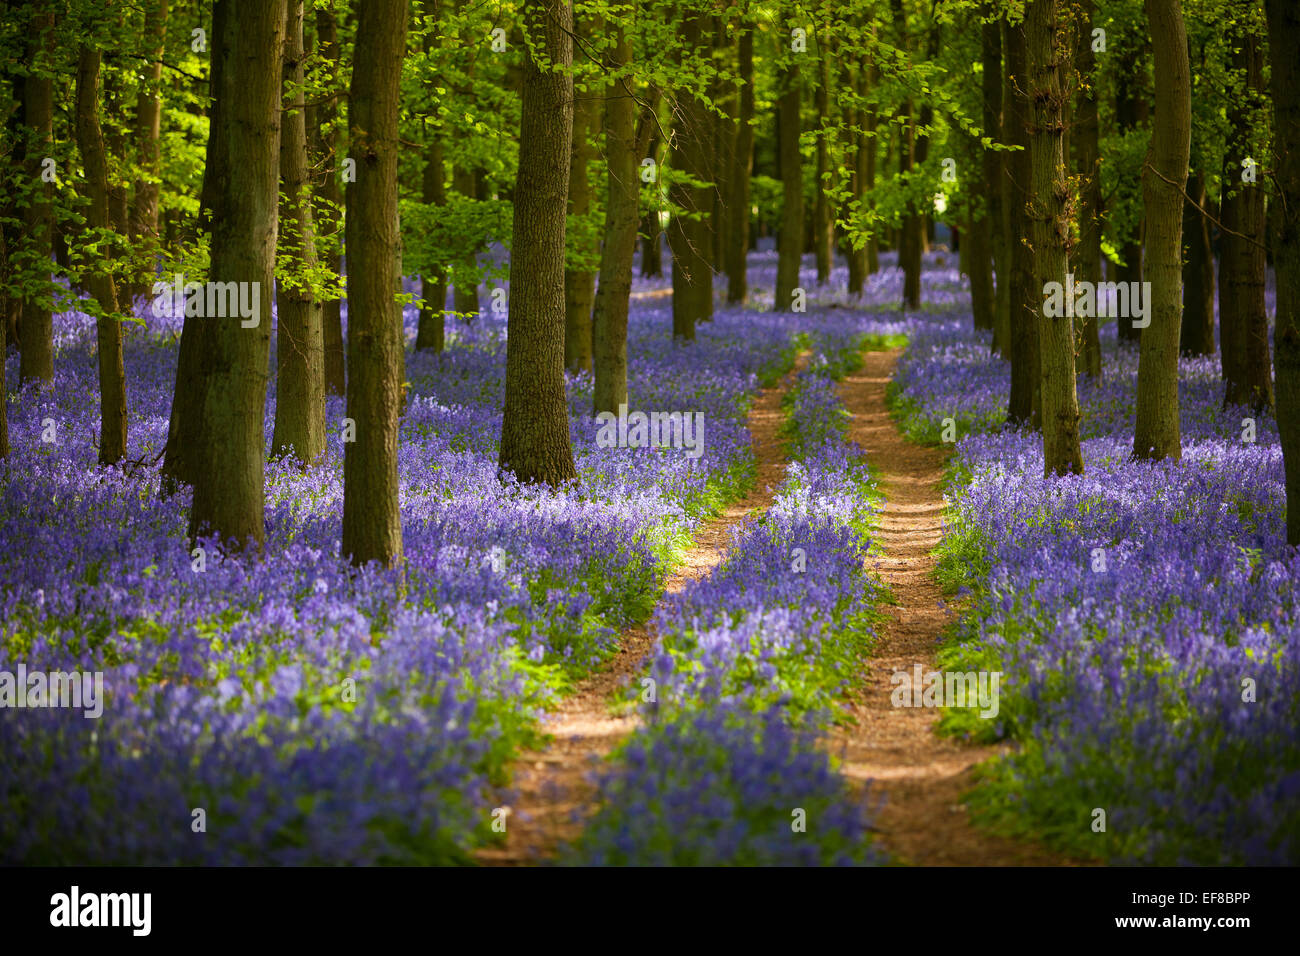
(922, 777)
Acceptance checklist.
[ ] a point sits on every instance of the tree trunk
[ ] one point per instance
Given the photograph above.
(108, 328)
(742, 156)
(1051, 234)
(859, 143)
(148, 131)
(36, 330)
(1284, 40)
(433, 288)
(244, 149)
(722, 141)
(625, 144)
(580, 283)
(688, 234)
(372, 521)
(1242, 266)
(465, 274)
(1164, 177)
(993, 42)
(978, 247)
(331, 199)
(300, 345)
(535, 424)
(790, 242)
(823, 221)
(1197, 335)
(1087, 155)
(1131, 112)
(1025, 299)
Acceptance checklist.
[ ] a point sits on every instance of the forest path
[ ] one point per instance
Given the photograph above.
(553, 786)
(921, 775)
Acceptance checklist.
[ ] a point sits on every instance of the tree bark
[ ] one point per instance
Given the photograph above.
(1242, 267)
(580, 282)
(1131, 112)
(998, 165)
(244, 148)
(625, 144)
(1051, 233)
(431, 333)
(108, 328)
(738, 179)
(148, 131)
(372, 521)
(36, 325)
(331, 199)
(856, 257)
(1087, 155)
(1164, 177)
(465, 274)
(1197, 335)
(790, 242)
(823, 222)
(688, 234)
(1284, 40)
(1025, 297)
(300, 344)
(535, 443)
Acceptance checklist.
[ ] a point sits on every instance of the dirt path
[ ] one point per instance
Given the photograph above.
(553, 787)
(922, 776)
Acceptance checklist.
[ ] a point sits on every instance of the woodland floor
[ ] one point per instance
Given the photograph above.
(554, 791)
(917, 778)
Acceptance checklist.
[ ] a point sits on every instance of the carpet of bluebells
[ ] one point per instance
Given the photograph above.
(1145, 615)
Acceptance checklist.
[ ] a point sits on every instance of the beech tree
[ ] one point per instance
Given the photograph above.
(300, 348)
(244, 168)
(1046, 37)
(535, 444)
(790, 243)
(1164, 178)
(1284, 40)
(372, 523)
(36, 324)
(108, 328)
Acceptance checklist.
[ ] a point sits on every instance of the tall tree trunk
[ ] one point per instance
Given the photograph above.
(856, 257)
(979, 248)
(580, 283)
(1197, 335)
(993, 42)
(823, 221)
(148, 131)
(688, 235)
(1045, 34)
(1242, 266)
(1025, 299)
(1130, 112)
(372, 521)
(331, 198)
(433, 287)
(1087, 156)
(186, 425)
(1284, 40)
(36, 330)
(1164, 177)
(869, 171)
(431, 331)
(244, 149)
(535, 424)
(738, 178)
(108, 327)
(625, 144)
(790, 243)
(722, 142)
(300, 344)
